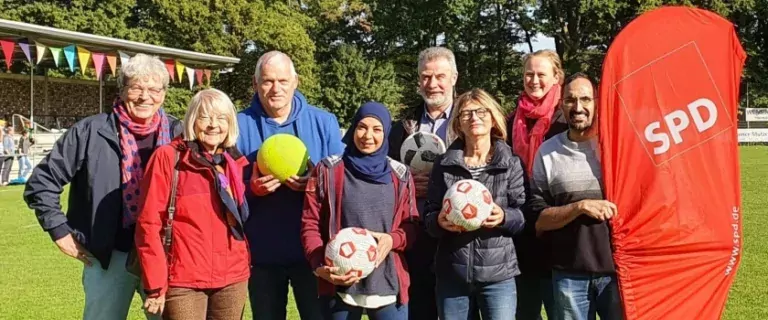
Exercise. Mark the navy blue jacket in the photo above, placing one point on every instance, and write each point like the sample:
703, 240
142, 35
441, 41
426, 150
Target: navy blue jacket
87, 156
486, 254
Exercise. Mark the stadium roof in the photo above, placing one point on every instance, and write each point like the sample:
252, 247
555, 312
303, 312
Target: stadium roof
59, 38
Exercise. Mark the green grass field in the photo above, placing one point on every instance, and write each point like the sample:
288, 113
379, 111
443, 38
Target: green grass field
38, 282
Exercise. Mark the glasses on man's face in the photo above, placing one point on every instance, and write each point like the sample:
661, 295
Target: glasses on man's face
466, 115
572, 101
137, 91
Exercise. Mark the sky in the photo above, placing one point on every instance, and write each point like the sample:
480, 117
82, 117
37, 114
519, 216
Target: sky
539, 42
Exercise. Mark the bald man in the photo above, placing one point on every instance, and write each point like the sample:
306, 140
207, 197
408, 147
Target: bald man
277, 257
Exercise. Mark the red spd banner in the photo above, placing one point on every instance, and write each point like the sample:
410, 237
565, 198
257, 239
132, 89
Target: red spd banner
668, 135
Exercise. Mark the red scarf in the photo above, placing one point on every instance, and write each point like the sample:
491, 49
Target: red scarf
526, 141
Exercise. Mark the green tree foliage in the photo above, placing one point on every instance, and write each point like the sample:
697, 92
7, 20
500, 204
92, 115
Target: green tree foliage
349, 51
350, 80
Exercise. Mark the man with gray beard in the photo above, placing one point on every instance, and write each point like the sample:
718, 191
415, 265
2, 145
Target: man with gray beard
567, 196
437, 78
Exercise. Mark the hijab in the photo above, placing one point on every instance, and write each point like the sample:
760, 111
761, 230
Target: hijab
374, 167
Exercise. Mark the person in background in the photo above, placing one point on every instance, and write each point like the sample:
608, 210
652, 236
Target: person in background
567, 198
480, 264
377, 195
437, 78
25, 142
211, 262
8, 149
536, 119
2, 154
277, 258
103, 157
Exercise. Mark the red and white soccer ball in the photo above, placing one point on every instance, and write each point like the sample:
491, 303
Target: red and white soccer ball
352, 251
468, 204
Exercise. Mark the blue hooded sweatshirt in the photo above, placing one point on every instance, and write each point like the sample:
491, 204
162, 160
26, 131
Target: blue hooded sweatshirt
273, 229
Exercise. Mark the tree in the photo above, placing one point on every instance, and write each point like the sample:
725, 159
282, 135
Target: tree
350, 80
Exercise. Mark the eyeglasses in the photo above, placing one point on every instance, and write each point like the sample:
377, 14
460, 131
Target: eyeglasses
206, 120
467, 114
136, 91
571, 101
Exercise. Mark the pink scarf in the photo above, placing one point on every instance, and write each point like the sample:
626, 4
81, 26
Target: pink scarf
526, 141
130, 166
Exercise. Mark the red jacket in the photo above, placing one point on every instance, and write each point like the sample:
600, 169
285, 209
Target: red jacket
204, 252
316, 231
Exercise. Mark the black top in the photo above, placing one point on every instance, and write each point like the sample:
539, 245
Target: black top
124, 236
529, 247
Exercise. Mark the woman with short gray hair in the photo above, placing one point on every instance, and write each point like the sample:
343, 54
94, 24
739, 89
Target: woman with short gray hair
103, 157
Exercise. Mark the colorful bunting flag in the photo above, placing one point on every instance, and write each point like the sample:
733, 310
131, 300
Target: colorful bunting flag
179, 70
40, 50
207, 73
8, 47
69, 53
112, 61
98, 63
169, 67
56, 53
191, 77
199, 77
84, 56
24, 44
124, 57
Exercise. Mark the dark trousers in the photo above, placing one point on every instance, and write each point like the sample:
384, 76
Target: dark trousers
268, 288
7, 165
199, 304
338, 310
533, 290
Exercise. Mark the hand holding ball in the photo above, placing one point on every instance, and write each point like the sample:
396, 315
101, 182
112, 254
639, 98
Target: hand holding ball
282, 156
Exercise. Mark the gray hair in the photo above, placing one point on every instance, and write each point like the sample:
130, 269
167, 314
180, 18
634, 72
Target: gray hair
268, 57
433, 53
142, 65
208, 102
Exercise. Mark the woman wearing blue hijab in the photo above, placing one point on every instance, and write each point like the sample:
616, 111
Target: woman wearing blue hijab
362, 189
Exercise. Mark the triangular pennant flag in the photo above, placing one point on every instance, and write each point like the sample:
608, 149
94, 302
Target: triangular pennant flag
56, 53
98, 63
8, 47
199, 77
124, 57
207, 73
84, 56
179, 70
191, 76
25, 48
69, 53
40, 50
112, 61
169, 67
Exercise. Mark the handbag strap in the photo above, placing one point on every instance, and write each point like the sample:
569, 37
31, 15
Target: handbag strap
171, 205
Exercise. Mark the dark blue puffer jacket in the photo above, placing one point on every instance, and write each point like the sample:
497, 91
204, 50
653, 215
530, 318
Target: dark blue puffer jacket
483, 255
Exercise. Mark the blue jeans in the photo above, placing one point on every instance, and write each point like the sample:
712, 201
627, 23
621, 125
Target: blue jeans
496, 301
24, 166
341, 311
579, 296
108, 293
268, 292
533, 290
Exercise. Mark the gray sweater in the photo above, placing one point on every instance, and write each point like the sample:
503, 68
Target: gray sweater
565, 172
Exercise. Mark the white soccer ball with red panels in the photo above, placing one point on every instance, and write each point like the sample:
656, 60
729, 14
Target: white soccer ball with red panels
467, 204
353, 251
